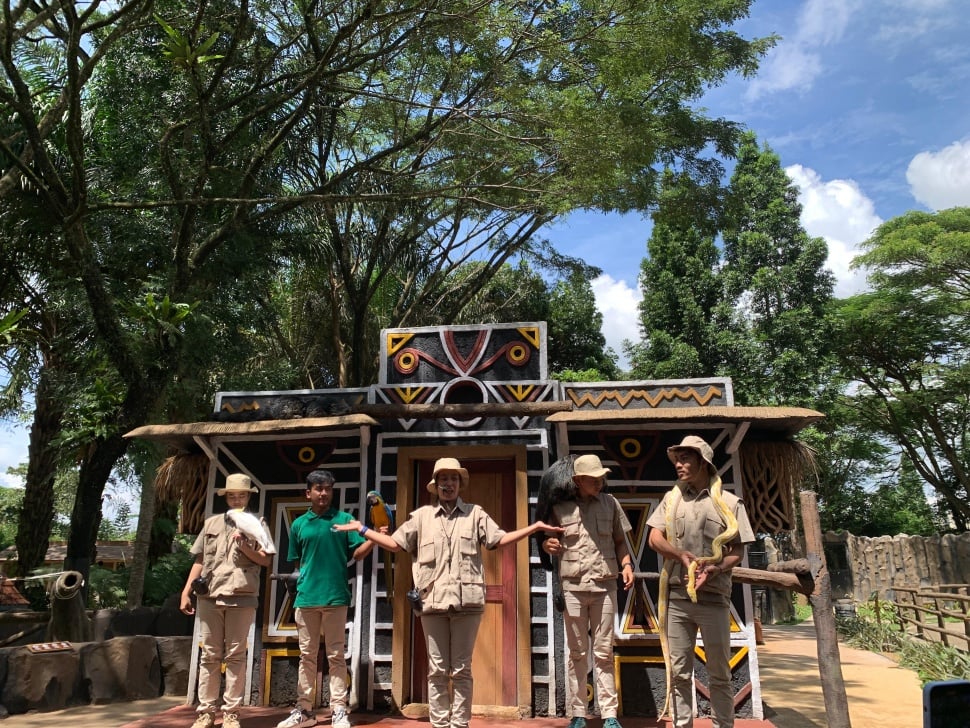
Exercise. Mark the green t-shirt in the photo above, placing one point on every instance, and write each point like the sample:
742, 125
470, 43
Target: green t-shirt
323, 555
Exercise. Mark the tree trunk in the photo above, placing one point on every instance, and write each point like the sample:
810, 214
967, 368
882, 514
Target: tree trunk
829, 663
142, 399
143, 537
86, 517
37, 511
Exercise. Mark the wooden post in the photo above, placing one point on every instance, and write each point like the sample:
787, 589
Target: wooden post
829, 662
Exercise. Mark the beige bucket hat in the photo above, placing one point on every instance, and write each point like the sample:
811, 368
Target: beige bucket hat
448, 464
237, 482
589, 465
698, 445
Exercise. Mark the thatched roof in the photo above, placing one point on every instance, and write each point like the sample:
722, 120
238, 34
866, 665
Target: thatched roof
182, 436
786, 420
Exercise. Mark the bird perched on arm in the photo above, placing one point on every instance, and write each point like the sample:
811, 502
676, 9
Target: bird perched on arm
252, 527
381, 516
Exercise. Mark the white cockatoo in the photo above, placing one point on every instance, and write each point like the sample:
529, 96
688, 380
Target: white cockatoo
251, 526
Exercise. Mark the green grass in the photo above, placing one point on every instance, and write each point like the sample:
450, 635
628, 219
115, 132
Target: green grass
802, 612
930, 660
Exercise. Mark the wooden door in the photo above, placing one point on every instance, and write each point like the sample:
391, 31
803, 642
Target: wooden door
492, 486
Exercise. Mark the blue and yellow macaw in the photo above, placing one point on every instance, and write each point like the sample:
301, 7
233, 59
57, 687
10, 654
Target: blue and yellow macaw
381, 516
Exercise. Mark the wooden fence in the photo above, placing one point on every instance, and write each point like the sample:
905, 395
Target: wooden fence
939, 613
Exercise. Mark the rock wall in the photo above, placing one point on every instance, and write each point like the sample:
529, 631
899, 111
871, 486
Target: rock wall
862, 566
119, 669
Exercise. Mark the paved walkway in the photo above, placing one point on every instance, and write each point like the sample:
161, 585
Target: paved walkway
880, 693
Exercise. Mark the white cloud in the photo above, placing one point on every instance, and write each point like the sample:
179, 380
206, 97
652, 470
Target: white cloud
796, 62
13, 451
788, 66
824, 21
618, 302
839, 211
941, 179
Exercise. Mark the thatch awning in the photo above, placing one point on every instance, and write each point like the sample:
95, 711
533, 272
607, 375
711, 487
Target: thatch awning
787, 420
182, 436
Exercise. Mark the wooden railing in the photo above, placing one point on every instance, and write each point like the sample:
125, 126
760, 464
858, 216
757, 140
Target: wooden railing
927, 610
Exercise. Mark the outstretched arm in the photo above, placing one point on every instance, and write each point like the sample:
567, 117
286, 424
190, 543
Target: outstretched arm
513, 536
373, 536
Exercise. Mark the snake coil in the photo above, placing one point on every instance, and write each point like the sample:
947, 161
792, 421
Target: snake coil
673, 499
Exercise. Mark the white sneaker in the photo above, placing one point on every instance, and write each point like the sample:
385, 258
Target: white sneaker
204, 720
340, 719
298, 719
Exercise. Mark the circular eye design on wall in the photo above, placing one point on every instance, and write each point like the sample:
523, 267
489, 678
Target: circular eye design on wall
518, 355
306, 455
464, 391
630, 448
406, 361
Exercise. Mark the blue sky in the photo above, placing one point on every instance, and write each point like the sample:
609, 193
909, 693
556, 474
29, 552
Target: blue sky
867, 103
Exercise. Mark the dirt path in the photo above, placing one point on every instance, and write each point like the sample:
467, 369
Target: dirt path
880, 692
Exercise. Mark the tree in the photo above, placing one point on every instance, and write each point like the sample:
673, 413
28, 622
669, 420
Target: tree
576, 341
906, 347
681, 286
180, 162
775, 340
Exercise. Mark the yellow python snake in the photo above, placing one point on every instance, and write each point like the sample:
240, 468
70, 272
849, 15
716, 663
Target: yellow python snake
673, 499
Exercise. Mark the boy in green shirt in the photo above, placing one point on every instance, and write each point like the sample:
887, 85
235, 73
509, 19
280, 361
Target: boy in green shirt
323, 595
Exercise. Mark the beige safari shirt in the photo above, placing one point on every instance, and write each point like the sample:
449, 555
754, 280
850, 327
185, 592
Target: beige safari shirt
588, 561
697, 523
446, 554
233, 577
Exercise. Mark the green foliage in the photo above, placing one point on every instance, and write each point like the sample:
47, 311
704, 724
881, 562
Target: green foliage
10, 500
109, 589
576, 341
681, 288
775, 278
161, 318
584, 375
178, 49
369, 153
760, 314
800, 614
864, 632
8, 325
875, 628
905, 348
167, 576
935, 661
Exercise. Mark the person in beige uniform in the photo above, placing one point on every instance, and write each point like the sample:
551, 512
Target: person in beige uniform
697, 523
229, 564
593, 553
445, 541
